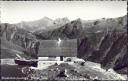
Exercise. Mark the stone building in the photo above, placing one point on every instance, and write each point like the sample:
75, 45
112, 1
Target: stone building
56, 50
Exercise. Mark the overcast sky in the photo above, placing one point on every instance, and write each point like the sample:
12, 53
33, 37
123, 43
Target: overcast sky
17, 11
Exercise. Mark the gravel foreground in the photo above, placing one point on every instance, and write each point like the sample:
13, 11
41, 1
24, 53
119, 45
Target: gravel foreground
74, 71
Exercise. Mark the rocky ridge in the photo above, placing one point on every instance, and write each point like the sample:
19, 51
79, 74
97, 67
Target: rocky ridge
103, 41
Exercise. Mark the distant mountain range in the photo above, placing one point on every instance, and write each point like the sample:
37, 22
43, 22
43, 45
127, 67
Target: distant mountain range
103, 41
80, 28
43, 24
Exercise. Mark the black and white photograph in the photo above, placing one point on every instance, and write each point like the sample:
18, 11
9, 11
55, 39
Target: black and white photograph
63, 40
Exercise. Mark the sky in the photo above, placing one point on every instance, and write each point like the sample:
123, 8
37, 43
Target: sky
17, 11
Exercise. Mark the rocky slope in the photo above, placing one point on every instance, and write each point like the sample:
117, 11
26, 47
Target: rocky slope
107, 47
16, 39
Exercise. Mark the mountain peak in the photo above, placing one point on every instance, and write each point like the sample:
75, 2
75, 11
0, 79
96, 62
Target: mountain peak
65, 18
79, 19
61, 21
46, 18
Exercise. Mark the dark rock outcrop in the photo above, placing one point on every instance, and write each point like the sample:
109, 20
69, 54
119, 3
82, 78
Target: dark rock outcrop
111, 53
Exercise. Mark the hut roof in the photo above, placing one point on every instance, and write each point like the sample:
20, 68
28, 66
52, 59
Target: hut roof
49, 48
